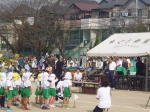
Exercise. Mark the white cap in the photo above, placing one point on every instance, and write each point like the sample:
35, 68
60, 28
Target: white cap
68, 75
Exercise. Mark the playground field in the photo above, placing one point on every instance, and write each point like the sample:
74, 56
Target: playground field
122, 101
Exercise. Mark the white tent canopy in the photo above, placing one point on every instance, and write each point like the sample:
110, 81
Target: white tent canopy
126, 44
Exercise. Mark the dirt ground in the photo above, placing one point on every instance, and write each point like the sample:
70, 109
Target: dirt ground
122, 101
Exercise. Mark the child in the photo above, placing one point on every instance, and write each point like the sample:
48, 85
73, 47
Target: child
59, 90
52, 90
15, 87
38, 92
67, 90
2, 90
9, 90
45, 92
26, 91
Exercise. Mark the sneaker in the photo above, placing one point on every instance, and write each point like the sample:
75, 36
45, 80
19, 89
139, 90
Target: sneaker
28, 103
47, 108
3, 108
43, 107
27, 109
8, 109
56, 102
67, 108
53, 106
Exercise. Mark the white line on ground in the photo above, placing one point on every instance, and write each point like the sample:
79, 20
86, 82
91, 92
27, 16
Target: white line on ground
135, 108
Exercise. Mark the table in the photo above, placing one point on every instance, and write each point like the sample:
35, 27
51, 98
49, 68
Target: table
122, 69
90, 83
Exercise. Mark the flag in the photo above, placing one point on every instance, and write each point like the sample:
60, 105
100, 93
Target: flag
75, 97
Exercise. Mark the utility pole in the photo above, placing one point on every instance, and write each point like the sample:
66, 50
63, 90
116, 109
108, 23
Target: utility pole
137, 8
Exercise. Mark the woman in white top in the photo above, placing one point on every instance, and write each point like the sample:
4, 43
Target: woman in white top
99, 64
76, 62
34, 63
103, 95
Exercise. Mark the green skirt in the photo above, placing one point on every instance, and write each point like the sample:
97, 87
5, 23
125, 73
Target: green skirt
2, 91
25, 92
45, 93
38, 91
15, 92
66, 92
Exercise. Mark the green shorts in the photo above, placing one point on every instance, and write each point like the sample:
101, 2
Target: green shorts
25, 92
66, 92
52, 91
15, 92
2, 91
38, 91
9, 94
45, 93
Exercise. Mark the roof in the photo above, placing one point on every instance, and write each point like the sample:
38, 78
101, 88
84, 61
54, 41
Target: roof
24, 9
123, 44
56, 9
146, 1
70, 2
111, 3
85, 6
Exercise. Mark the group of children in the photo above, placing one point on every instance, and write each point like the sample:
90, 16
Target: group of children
48, 90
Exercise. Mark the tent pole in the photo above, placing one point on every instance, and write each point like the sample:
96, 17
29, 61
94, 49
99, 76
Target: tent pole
146, 78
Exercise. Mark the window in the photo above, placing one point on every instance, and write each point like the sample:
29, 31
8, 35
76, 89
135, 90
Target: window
129, 12
103, 14
139, 12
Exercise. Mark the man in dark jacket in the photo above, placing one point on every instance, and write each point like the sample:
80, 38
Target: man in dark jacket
139, 67
57, 67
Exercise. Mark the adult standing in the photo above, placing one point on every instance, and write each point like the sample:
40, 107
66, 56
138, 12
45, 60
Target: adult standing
51, 61
57, 68
139, 67
42, 62
21, 62
112, 71
34, 63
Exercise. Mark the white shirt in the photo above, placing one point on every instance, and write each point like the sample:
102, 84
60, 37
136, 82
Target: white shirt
128, 60
46, 84
104, 97
112, 66
119, 62
10, 75
37, 83
29, 74
9, 84
60, 86
52, 85
99, 64
15, 83
67, 83
78, 76
34, 63
26, 83
45, 76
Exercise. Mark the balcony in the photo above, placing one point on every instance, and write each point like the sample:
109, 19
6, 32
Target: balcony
95, 23
71, 23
